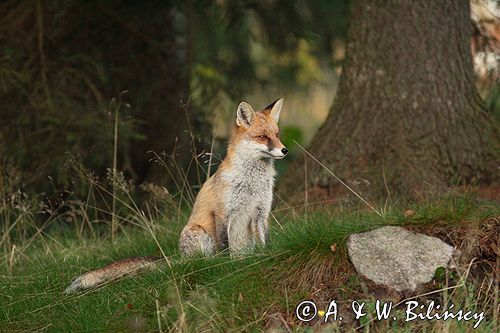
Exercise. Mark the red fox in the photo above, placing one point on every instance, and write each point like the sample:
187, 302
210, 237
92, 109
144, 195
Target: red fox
232, 208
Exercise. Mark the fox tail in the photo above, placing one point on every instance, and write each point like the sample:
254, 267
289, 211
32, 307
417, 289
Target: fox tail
112, 271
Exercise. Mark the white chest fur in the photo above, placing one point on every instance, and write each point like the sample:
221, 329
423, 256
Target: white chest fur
249, 185
247, 200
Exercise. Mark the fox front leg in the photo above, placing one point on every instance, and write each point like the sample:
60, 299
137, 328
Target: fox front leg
232, 234
261, 226
240, 237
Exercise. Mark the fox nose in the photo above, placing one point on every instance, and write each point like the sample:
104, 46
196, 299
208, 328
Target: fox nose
284, 151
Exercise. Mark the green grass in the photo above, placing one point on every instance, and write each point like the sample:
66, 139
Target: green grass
255, 293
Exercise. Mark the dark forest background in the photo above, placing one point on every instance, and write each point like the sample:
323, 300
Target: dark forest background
175, 67
149, 87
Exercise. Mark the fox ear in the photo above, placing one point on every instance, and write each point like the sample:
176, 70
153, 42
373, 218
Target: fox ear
274, 109
244, 114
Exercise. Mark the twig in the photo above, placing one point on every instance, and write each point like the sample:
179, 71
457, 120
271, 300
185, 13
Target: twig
211, 149
115, 163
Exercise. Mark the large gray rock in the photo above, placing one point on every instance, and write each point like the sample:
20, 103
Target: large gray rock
398, 258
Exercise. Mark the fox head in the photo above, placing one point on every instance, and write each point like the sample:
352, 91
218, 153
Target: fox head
257, 134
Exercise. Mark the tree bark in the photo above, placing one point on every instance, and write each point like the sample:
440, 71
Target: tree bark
407, 117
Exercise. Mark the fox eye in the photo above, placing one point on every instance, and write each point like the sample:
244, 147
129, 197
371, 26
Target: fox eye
263, 137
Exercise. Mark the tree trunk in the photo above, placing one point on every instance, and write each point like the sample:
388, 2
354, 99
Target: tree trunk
407, 117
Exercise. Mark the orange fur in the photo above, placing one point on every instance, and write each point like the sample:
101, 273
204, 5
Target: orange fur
232, 207
209, 206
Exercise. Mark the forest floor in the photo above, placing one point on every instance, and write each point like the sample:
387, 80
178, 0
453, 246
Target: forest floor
305, 260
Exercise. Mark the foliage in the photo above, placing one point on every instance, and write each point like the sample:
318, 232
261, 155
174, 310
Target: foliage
239, 46
61, 62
